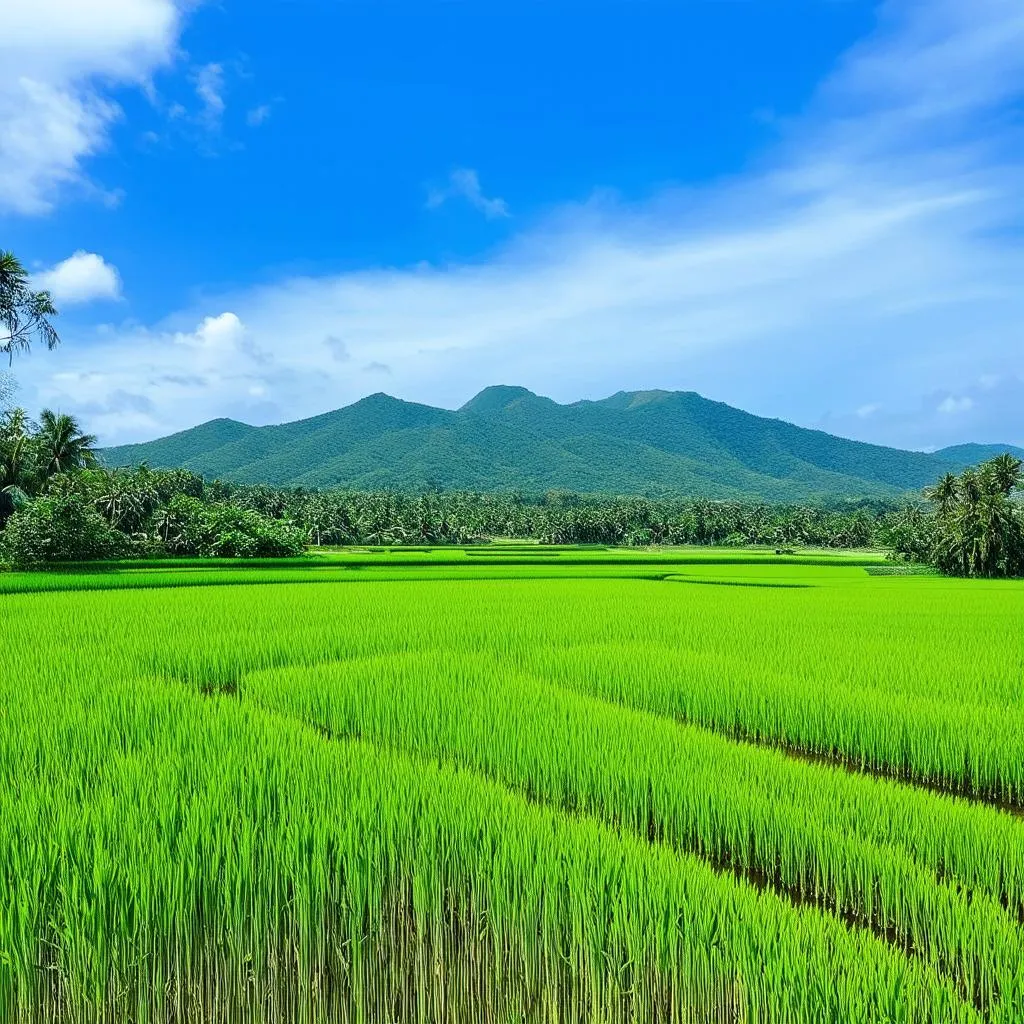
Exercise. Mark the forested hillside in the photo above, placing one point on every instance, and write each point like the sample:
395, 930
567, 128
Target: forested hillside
507, 438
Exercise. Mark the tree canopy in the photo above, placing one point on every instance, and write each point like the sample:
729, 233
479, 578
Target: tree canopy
975, 523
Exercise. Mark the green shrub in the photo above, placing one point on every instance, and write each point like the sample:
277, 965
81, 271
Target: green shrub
62, 528
192, 527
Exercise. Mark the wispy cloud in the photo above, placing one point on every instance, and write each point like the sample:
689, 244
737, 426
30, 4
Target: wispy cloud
258, 115
950, 405
464, 183
871, 260
337, 348
209, 85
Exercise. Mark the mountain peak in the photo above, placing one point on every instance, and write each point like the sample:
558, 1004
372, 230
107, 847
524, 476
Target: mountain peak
497, 398
622, 400
377, 398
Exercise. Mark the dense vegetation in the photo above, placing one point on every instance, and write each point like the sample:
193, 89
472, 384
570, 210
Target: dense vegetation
653, 443
381, 795
975, 526
66, 508
57, 504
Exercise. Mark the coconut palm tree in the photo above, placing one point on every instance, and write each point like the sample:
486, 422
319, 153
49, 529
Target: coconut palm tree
62, 446
979, 529
17, 462
126, 498
944, 492
168, 525
1006, 472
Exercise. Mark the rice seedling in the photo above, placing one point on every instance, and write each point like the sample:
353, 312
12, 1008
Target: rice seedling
545, 792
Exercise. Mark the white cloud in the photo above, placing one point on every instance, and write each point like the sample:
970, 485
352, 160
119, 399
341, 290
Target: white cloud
59, 60
464, 183
872, 252
215, 334
83, 277
865, 411
258, 115
209, 86
950, 406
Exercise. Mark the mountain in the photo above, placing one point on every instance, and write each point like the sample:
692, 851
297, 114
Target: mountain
508, 438
963, 455
178, 449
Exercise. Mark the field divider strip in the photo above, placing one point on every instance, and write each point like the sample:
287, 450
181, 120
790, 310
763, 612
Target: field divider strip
676, 577
426, 573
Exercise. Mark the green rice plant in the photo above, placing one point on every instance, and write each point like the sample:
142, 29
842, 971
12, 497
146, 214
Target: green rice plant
426, 791
821, 837
191, 859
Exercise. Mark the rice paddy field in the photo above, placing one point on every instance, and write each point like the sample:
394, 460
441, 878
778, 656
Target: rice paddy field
511, 784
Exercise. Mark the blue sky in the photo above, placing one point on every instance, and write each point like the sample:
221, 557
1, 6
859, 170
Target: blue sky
811, 209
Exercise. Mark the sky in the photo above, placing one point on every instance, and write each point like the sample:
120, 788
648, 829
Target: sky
810, 209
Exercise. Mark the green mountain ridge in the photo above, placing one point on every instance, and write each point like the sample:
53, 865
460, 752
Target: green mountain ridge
508, 438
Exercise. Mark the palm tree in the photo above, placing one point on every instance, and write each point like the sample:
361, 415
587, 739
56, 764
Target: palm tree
167, 524
944, 492
979, 529
17, 462
24, 313
126, 498
61, 444
1006, 471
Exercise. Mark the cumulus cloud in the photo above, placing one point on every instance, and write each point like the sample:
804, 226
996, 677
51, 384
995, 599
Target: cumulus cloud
870, 260
60, 58
8, 387
83, 277
143, 374
464, 183
218, 334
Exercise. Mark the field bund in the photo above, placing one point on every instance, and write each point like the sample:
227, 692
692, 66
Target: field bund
511, 783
